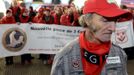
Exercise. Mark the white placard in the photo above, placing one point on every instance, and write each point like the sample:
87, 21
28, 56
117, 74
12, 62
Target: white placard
35, 38
124, 35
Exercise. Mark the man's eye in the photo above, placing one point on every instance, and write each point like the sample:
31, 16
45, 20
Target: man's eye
105, 20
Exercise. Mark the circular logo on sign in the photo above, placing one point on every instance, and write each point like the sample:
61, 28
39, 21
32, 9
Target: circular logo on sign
121, 36
75, 63
14, 39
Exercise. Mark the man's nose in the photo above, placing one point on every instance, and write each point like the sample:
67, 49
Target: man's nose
112, 26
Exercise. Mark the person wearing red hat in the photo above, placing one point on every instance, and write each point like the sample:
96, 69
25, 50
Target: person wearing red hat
93, 53
24, 17
39, 16
16, 10
47, 17
57, 15
70, 17
65, 19
8, 19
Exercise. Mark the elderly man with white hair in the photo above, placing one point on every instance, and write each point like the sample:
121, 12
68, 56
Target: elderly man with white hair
92, 53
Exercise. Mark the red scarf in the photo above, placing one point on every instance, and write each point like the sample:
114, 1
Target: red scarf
93, 55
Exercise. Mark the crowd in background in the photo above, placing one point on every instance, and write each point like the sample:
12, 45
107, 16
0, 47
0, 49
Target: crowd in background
58, 15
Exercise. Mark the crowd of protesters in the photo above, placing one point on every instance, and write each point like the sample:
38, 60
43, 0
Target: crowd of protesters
58, 15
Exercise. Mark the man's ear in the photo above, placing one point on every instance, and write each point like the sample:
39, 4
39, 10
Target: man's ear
88, 19
82, 21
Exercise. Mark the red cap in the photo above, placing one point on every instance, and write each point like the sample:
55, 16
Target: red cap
103, 7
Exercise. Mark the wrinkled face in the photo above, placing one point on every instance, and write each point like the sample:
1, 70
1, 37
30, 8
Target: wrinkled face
101, 22
102, 27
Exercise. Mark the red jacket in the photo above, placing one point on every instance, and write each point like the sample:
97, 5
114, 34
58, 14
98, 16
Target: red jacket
56, 18
37, 18
65, 20
76, 16
24, 19
8, 20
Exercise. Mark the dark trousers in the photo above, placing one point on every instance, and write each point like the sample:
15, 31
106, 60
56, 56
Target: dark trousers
130, 52
26, 57
9, 60
44, 56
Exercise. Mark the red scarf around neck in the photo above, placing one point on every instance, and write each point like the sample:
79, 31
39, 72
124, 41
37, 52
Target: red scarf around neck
93, 55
